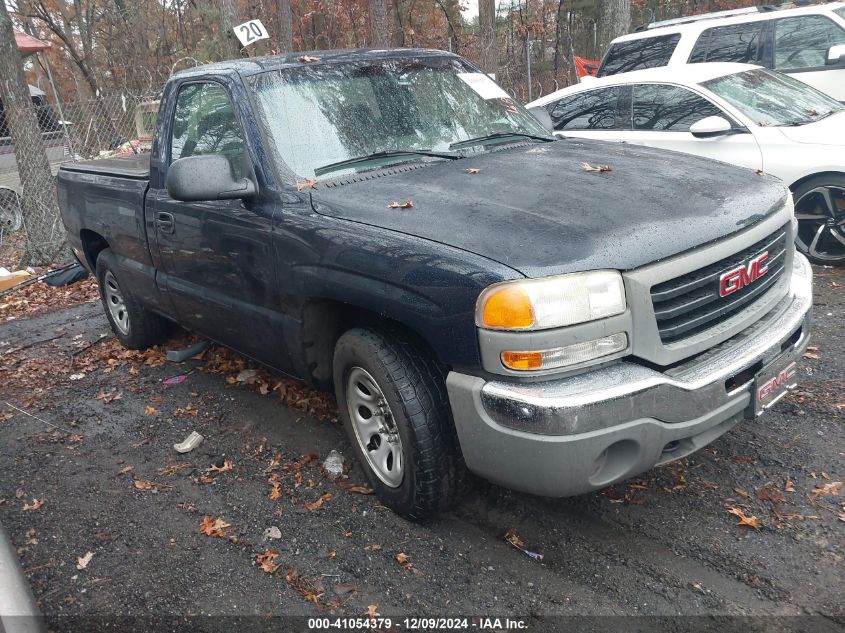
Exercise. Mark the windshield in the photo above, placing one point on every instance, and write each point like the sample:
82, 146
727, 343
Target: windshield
321, 114
772, 99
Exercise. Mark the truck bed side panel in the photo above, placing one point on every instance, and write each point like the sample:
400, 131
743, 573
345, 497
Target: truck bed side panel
112, 207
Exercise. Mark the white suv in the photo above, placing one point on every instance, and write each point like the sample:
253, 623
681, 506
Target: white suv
807, 42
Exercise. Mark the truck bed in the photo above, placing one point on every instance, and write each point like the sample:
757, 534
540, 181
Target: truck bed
134, 167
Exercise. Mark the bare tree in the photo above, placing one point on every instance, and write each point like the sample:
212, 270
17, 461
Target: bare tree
45, 236
229, 16
285, 26
614, 20
489, 42
379, 24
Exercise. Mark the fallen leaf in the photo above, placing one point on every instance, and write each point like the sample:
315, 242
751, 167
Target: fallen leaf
148, 410
743, 519
309, 588
36, 503
372, 547
599, 168
372, 611
812, 356
401, 205
167, 471
126, 469
770, 493
742, 493
472, 170
82, 561
307, 59
225, 468
213, 527
789, 486
276, 492
361, 490
404, 560
319, 502
152, 486
265, 561
826, 490
842, 516
309, 183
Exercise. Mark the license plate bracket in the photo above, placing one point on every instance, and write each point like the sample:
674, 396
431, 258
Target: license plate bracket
771, 384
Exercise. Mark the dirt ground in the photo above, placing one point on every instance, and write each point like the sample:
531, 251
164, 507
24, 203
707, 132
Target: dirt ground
107, 516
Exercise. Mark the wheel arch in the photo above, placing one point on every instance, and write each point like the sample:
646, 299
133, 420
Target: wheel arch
808, 177
92, 245
324, 321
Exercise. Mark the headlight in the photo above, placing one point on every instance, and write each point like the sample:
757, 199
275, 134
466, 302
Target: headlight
539, 304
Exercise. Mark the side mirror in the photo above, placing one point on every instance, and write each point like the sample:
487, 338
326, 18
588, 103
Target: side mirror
206, 177
835, 54
711, 126
542, 115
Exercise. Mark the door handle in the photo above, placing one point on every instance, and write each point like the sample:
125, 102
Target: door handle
165, 222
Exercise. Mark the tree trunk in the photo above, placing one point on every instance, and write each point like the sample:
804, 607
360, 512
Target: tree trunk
45, 235
229, 16
285, 26
489, 41
379, 25
614, 20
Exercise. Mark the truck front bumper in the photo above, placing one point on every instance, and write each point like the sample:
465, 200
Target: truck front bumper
572, 435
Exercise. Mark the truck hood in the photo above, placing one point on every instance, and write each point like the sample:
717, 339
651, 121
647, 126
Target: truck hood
536, 209
829, 131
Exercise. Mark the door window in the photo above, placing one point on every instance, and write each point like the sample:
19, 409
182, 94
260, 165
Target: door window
204, 122
669, 108
594, 110
802, 42
647, 52
735, 43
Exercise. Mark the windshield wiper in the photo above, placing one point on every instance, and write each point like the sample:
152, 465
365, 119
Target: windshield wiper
800, 122
495, 135
377, 155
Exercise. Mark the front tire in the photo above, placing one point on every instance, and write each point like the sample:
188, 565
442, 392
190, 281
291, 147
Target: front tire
820, 211
134, 326
393, 403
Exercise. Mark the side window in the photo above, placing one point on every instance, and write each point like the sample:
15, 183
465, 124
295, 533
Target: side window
594, 110
735, 43
841, 12
646, 52
802, 42
204, 122
669, 108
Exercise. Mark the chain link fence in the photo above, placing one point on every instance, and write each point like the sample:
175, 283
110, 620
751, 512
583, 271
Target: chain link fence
91, 129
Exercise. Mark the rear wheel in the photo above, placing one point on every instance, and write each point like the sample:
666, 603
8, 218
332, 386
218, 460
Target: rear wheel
134, 326
392, 400
820, 211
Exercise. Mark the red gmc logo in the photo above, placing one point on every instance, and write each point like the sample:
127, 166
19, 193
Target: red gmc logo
742, 276
773, 386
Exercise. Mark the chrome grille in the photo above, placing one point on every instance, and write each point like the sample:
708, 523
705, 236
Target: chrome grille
686, 305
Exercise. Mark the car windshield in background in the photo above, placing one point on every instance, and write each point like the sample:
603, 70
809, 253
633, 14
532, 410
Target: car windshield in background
340, 117
773, 99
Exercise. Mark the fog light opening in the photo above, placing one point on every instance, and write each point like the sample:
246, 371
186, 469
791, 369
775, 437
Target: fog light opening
614, 462
671, 446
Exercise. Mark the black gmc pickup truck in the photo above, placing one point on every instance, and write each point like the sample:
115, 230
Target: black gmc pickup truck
393, 226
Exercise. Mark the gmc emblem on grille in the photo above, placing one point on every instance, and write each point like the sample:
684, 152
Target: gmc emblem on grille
742, 276
774, 385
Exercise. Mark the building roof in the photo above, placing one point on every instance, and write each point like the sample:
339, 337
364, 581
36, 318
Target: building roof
28, 44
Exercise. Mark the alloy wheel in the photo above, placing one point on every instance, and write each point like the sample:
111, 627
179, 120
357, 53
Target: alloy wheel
115, 304
821, 223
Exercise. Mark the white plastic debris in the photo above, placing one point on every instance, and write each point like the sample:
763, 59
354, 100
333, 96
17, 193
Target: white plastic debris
334, 464
4, 272
272, 533
77, 376
189, 443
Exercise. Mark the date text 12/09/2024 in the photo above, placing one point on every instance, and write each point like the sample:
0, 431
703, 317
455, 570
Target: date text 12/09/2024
418, 624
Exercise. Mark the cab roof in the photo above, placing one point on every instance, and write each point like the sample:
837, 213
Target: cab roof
253, 65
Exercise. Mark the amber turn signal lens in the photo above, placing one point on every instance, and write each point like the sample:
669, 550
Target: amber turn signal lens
508, 307
522, 360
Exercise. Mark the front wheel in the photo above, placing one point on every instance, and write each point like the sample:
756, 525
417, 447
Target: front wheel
820, 211
392, 400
